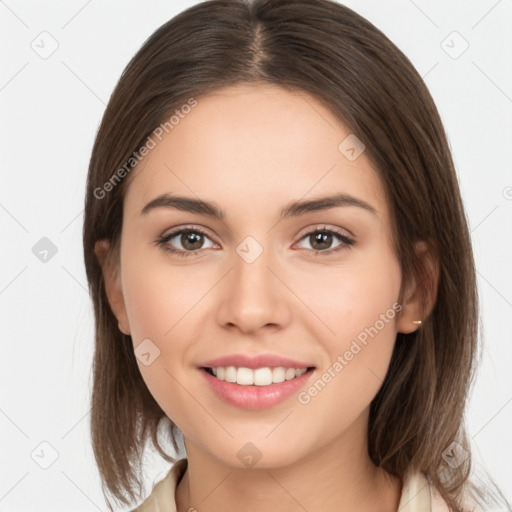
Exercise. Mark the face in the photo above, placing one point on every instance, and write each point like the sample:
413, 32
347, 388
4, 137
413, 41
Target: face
318, 285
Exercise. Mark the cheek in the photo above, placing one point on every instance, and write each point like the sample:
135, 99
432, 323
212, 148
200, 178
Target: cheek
355, 312
155, 304
346, 299
363, 316
163, 304
159, 295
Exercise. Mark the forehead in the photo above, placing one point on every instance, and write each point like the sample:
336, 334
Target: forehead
252, 146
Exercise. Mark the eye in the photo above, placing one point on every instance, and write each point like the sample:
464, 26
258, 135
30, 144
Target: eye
321, 240
189, 241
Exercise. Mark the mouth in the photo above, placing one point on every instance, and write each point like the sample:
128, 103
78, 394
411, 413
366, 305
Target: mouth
258, 388
264, 376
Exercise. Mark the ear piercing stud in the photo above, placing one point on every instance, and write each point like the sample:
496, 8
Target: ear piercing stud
417, 322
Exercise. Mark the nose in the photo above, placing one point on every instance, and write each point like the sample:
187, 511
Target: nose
253, 295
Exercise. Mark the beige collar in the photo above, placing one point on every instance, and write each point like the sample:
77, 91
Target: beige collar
416, 493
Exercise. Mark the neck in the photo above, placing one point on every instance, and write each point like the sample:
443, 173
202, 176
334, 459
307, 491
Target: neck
337, 477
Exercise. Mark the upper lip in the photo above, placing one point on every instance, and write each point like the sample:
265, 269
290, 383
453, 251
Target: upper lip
253, 362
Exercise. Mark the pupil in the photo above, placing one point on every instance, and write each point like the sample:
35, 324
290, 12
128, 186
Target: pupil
324, 239
190, 239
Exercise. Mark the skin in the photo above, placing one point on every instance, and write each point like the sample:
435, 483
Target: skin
253, 149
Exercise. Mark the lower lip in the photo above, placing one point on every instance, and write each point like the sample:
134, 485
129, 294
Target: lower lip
255, 397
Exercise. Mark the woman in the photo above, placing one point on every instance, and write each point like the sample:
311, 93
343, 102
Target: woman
281, 269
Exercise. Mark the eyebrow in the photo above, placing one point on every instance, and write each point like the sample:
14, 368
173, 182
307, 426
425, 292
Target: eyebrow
191, 205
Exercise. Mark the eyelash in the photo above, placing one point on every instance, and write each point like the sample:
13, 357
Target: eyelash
162, 241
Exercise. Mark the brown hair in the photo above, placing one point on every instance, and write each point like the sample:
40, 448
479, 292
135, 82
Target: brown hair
324, 49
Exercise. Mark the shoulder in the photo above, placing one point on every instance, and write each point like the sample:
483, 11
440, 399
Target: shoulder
419, 494
162, 497
438, 503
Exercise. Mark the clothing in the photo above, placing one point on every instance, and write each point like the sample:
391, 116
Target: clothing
417, 494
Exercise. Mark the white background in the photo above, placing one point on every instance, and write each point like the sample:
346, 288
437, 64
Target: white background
51, 109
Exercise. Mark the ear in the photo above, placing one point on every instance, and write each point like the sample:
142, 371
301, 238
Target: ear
420, 295
112, 280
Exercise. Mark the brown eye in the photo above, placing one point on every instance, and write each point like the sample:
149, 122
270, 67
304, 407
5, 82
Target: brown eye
321, 240
184, 242
191, 240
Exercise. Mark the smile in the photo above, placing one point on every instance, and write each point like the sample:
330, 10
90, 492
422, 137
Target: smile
258, 388
259, 376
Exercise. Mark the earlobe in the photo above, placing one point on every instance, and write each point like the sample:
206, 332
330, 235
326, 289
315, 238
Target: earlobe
420, 297
112, 280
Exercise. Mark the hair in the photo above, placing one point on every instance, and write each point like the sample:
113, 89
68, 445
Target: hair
326, 50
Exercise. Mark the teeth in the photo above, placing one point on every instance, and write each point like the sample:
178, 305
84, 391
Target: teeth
290, 374
258, 377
